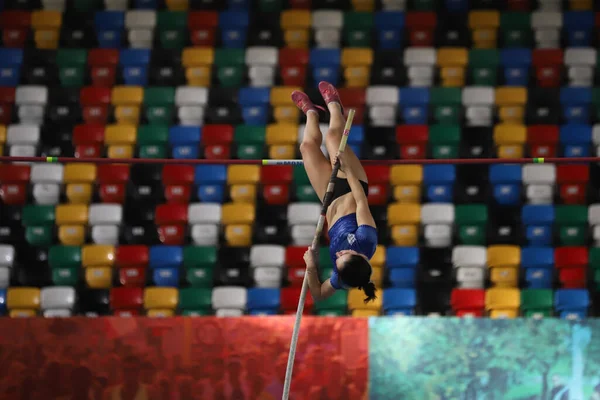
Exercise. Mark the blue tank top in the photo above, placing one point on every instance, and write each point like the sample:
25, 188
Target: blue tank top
345, 234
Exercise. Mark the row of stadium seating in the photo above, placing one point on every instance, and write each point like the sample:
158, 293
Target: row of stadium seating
64, 301
102, 266
268, 66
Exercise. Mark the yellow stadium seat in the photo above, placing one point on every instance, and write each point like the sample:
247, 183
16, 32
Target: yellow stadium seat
71, 214
357, 76
238, 235
353, 56
238, 213
46, 39
2, 134
79, 172
97, 255
23, 298
503, 302
404, 214
160, 313
297, 38
504, 256
356, 301
243, 174
98, 277
128, 114
281, 95
286, 114
378, 259
244, 193
510, 139
363, 5
504, 277
405, 235
377, 277
122, 95
71, 235
79, 193
452, 62
177, 5
295, 19
21, 313
161, 298
484, 25
120, 134
46, 19
199, 76
406, 175
281, 133
407, 193
282, 152
365, 313
511, 104
120, 151
197, 56
581, 5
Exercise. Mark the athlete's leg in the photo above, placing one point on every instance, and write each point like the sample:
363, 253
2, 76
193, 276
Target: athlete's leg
336, 129
316, 164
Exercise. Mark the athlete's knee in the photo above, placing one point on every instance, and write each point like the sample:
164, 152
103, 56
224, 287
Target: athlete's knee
334, 135
309, 145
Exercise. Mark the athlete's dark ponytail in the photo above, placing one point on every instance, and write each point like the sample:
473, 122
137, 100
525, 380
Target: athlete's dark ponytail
369, 290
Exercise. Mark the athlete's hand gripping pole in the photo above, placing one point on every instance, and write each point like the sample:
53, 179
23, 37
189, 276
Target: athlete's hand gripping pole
315, 242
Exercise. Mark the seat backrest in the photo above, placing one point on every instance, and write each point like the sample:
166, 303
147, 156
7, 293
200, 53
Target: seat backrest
229, 297
267, 255
469, 256
58, 297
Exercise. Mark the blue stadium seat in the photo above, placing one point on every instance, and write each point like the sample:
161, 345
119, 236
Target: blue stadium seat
458, 6
402, 264
578, 27
399, 301
10, 66
356, 140
439, 182
506, 179
238, 4
516, 63
166, 277
263, 301
538, 263
576, 103
325, 65
414, 105
255, 105
572, 303
403, 277
390, 29
185, 141
134, 66
165, 256
538, 220
147, 4
210, 180
109, 28
2, 302
576, 140
234, 28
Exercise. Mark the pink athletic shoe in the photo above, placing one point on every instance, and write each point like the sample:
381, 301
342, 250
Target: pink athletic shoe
303, 102
329, 93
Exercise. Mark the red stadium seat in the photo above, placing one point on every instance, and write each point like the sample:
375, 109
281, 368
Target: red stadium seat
301, 4
573, 278
88, 140
468, 302
276, 183
292, 64
379, 183
217, 141
519, 5
572, 181
171, 221
202, 26
354, 98
126, 301
542, 140
95, 102
15, 28
421, 28
571, 257
7, 99
289, 301
295, 276
131, 256
13, 183
112, 181
132, 276
103, 66
412, 140
177, 180
294, 256
548, 66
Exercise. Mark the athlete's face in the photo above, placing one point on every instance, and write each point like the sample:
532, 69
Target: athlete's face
343, 256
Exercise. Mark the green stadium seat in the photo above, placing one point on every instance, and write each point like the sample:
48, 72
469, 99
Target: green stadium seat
159, 103
271, 5
39, 224
537, 303
325, 259
64, 257
250, 141
171, 27
195, 301
424, 5
515, 29
444, 140
358, 27
572, 224
87, 5
152, 141
230, 66
65, 276
335, 305
302, 187
483, 67
199, 263
471, 221
72, 64
446, 103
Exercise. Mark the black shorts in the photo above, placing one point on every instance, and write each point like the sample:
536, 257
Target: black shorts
342, 187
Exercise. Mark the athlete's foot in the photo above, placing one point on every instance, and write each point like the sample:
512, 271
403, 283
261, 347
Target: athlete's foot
329, 93
303, 102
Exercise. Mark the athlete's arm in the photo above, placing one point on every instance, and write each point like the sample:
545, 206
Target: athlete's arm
363, 213
318, 290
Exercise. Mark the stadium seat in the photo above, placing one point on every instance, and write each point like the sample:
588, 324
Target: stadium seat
537, 303
160, 301
58, 301
229, 301
572, 304
468, 302
263, 301
399, 301
195, 301
126, 301
23, 301
503, 302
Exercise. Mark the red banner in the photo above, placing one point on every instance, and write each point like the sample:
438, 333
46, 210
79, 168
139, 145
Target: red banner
181, 358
